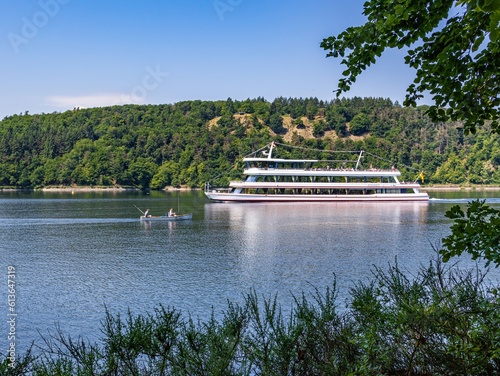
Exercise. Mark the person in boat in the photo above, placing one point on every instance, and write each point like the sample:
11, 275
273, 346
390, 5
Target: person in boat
171, 213
146, 213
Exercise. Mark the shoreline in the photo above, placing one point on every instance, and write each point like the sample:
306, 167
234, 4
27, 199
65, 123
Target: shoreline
72, 189
452, 188
85, 189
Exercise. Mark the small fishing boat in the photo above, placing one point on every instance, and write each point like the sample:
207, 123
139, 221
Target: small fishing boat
171, 216
167, 218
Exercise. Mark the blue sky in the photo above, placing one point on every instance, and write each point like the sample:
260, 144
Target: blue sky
59, 54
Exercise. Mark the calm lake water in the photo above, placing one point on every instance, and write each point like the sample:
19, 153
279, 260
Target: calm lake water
75, 254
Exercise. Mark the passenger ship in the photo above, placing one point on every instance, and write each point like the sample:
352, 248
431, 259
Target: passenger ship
275, 179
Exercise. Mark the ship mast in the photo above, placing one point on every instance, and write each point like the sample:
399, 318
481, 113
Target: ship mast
269, 155
359, 159
270, 152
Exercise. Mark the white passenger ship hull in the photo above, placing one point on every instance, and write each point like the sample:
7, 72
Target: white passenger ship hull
242, 197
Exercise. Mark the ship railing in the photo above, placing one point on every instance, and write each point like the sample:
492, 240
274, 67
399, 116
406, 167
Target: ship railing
324, 169
209, 188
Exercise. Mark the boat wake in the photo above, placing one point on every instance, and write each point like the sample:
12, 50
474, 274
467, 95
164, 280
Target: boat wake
63, 221
492, 200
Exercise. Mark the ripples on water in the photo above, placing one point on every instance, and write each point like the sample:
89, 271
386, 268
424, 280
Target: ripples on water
76, 255
489, 201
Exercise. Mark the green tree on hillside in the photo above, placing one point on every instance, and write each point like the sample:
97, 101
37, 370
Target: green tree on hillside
452, 171
276, 123
359, 124
454, 48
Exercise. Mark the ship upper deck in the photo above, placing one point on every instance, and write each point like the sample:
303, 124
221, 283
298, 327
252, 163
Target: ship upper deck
261, 171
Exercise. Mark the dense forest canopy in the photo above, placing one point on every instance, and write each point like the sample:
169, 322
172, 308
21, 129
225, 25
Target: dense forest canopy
192, 142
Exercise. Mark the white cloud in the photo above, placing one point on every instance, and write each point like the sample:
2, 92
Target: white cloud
96, 100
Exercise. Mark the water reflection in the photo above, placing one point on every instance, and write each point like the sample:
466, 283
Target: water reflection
283, 247
259, 226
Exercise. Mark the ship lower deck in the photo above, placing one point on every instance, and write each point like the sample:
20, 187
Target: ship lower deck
242, 197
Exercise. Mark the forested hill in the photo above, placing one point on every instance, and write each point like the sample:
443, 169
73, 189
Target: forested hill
189, 143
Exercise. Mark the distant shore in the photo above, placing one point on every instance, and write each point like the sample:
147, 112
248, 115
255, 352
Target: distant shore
86, 189
437, 187
63, 189
444, 188
107, 189
70, 189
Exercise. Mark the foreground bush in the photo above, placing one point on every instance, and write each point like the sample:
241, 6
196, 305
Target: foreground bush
441, 321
